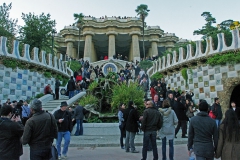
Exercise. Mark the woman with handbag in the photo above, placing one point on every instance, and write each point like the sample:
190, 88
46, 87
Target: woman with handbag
121, 124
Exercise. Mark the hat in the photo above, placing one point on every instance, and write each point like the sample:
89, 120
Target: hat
64, 103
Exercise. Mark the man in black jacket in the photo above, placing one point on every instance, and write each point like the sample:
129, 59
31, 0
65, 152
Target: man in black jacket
79, 113
57, 85
203, 134
39, 132
217, 111
11, 130
131, 117
71, 87
236, 109
151, 122
64, 123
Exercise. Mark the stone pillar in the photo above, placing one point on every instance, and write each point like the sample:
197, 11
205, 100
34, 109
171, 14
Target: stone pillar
74, 53
70, 49
111, 45
135, 47
88, 47
154, 49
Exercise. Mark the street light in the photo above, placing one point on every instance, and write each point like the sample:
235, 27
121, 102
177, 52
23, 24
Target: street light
53, 33
79, 25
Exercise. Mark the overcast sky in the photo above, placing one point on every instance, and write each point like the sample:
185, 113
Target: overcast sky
173, 16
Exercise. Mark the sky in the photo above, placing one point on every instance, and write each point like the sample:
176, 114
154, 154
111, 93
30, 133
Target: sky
173, 16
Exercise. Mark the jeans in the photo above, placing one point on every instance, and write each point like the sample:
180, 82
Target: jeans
77, 91
171, 149
130, 136
66, 136
218, 121
71, 94
149, 136
39, 154
203, 158
183, 125
79, 130
122, 134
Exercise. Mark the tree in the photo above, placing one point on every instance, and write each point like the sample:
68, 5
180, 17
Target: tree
37, 31
8, 26
79, 23
209, 30
142, 10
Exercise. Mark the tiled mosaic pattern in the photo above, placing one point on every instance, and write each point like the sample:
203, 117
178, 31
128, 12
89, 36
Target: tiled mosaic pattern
204, 81
21, 84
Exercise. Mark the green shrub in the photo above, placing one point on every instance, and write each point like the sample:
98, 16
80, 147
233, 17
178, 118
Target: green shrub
184, 74
88, 99
74, 65
94, 119
47, 74
124, 93
156, 76
221, 59
146, 64
92, 86
39, 95
64, 81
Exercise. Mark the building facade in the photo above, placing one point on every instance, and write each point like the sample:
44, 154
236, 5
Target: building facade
112, 36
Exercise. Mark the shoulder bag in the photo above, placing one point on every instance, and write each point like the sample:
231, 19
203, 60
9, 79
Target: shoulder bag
53, 147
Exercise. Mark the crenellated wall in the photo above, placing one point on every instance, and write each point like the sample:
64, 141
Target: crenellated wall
23, 84
170, 63
48, 61
207, 82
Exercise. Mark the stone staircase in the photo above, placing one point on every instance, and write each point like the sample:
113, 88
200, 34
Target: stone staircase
51, 105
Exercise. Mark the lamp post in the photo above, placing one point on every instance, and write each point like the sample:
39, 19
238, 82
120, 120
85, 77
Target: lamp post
53, 33
79, 25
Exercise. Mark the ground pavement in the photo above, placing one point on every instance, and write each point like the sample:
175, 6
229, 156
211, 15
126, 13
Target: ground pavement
107, 148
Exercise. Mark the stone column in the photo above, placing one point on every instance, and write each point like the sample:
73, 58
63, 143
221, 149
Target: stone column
70, 49
154, 49
88, 47
111, 44
135, 47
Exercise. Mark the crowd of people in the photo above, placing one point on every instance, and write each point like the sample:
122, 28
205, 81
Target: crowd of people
208, 137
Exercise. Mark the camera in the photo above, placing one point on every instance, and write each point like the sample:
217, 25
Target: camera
17, 112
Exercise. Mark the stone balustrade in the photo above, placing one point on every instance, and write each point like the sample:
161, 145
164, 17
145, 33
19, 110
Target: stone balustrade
48, 61
175, 61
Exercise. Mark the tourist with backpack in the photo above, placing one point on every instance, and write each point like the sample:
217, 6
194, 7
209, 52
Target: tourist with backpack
217, 111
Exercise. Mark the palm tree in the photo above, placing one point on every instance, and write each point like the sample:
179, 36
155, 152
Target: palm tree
79, 23
142, 10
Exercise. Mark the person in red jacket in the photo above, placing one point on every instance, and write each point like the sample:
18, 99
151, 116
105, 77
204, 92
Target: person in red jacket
79, 77
153, 91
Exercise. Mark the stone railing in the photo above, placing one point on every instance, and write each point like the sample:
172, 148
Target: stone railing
175, 61
40, 61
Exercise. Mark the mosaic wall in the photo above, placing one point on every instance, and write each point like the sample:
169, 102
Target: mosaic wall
21, 84
204, 81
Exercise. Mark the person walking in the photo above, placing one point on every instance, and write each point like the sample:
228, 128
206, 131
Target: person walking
39, 132
236, 109
79, 113
11, 129
71, 87
122, 124
64, 124
131, 116
167, 131
180, 110
203, 134
151, 123
229, 137
217, 111
57, 85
